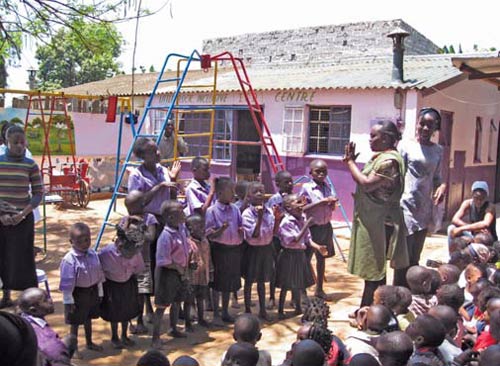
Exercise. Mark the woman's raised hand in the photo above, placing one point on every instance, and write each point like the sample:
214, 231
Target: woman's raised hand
350, 152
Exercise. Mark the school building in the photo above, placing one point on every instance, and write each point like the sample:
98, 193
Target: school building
321, 87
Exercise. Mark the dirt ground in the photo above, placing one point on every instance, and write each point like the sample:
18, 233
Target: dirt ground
206, 346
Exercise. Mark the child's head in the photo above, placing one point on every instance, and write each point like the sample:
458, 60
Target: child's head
435, 281
255, 193
405, 300
484, 237
134, 202
308, 353
447, 316
185, 360
495, 324
487, 294
394, 348
284, 181
293, 204
363, 359
16, 141
492, 305
147, 150
490, 356
200, 168
318, 333
318, 169
478, 287
316, 311
196, 226
130, 238
419, 280
451, 295
460, 258
449, 274
224, 188
79, 236
241, 354
153, 357
247, 329
426, 331
479, 253
474, 272
241, 189
36, 301
377, 319
172, 213
459, 243
386, 295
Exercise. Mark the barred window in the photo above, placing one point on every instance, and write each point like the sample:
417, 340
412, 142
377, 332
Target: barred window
293, 127
329, 129
492, 145
478, 140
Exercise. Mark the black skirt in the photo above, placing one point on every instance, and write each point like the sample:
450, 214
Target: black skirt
121, 301
323, 235
258, 263
170, 287
86, 306
294, 270
227, 266
17, 255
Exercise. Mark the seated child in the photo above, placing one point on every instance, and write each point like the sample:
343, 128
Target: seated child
121, 261
81, 278
471, 312
241, 354
199, 277
247, 330
420, 281
153, 357
403, 314
448, 318
484, 238
491, 333
427, 334
449, 274
259, 226
18, 341
459, 243
134, 202
185, 360
389, 297
172, 259
394, 348
363, 359
373, 321
35, 304
491, 356
308, 353
293, 271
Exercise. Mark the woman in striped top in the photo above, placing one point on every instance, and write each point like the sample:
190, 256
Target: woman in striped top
17, 174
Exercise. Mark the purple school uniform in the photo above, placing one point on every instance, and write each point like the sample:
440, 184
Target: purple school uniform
275, 200
173, 247
80, 269
313, 192
52, 348
290, 227
215, 218
249, 220
142, 180
116, 267
196, 195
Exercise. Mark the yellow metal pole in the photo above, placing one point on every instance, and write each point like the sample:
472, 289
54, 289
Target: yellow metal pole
212, 113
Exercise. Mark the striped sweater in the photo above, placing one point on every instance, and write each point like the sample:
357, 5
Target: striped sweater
16, 177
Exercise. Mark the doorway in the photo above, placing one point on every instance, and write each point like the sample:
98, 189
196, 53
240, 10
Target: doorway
445, 136
248, 157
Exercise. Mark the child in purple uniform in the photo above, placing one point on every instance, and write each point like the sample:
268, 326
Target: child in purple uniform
321, 204
35, 304
223, 228
172, 258
199, 194
294, 270
81, 278
121, 261
259, 226
134, 202
284, 183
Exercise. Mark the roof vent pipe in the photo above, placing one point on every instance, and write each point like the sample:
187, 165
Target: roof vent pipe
398, 36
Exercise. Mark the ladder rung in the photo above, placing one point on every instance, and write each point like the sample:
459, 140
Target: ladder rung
147, 135
133, 163
168, 80
201, 134
198, 86
245, 82
120, 194
243, 143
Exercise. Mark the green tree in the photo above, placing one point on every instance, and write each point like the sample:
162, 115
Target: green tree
152, 68
80, 54
452, 49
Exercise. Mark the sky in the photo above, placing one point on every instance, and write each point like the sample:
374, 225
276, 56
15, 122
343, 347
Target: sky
182, 25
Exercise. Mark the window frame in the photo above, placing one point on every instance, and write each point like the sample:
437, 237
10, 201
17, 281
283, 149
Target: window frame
293, 123
492, 141
331, 122
478, 140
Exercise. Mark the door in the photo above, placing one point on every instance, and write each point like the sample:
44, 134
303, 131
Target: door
248, 157
456, 185
445, 135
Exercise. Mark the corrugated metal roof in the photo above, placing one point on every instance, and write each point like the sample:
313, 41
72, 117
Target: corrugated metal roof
484, 68
367, 72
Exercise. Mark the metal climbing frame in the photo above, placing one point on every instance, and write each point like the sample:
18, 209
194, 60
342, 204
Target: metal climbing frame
174, 108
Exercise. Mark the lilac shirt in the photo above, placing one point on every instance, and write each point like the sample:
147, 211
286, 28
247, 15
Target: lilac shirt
290, 227
313, 192
249, 219
142, 180
172, 247
196, 195
220, 213
50, 345
116, 267
80, 269
275, 200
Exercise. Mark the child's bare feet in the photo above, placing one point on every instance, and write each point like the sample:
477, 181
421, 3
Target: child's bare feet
138, 329
282, 316
117, 344
189, 328
263, 315
94, 347
127, 342
176, 333
203, 323
77, 355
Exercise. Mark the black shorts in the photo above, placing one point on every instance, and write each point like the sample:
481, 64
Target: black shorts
323, 235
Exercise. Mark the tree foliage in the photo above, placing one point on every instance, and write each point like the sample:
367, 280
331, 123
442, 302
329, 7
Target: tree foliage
67, 60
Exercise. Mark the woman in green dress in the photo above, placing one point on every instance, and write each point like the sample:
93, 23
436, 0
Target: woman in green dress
378, 229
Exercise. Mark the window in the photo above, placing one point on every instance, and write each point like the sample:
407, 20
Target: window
199, 123
329, 129
478, 140
293, 122
493, 140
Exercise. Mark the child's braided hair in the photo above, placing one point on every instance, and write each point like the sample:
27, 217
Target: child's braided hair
132, 233
322, 335
317, 311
